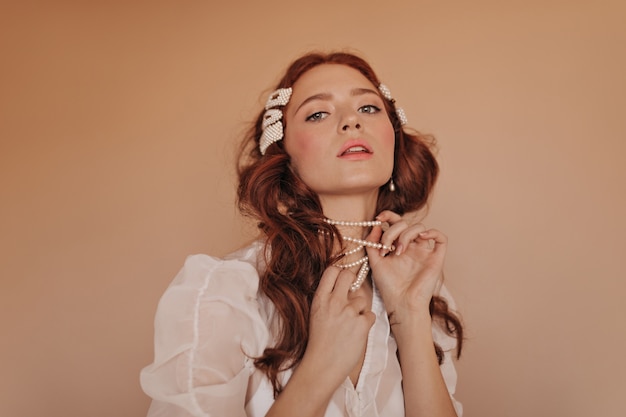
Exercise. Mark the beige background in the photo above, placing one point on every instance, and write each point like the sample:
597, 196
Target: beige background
117, 125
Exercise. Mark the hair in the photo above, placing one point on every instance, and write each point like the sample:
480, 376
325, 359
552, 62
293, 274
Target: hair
290, 216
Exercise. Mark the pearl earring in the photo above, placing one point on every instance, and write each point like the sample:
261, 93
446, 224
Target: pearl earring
392, 185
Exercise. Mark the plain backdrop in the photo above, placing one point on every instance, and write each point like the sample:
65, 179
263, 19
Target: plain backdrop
118, 126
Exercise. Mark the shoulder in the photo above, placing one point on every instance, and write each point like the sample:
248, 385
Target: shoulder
210, 322
240, 268
208, 286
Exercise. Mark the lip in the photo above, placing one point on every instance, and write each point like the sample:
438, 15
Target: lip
358, 155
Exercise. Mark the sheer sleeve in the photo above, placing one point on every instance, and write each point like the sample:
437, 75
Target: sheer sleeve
448, 344
207, 327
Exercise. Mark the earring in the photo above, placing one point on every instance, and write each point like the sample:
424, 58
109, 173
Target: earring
392, 186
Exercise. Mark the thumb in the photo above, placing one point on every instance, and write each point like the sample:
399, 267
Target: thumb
374, 236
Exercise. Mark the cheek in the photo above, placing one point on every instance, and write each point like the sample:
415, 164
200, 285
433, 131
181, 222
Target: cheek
302, 142
388, 136
299, 145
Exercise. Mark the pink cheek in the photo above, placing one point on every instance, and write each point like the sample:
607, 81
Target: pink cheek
302, 143
389, 137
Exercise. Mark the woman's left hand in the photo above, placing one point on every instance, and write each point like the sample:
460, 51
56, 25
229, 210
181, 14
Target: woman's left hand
408, 277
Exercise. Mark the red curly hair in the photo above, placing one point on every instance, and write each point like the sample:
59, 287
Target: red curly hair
291, 218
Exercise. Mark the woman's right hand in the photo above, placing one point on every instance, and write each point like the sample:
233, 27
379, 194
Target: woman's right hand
339, 324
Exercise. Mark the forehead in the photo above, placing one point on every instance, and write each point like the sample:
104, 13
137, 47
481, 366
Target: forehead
326, 78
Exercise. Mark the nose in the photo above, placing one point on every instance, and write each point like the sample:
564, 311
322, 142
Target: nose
356, 125
351, 121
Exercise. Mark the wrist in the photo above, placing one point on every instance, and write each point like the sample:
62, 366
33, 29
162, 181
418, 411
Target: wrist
297, 394
410, 315
411, 325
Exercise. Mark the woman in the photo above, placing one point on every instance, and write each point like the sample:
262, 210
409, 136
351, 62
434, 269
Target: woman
326, 314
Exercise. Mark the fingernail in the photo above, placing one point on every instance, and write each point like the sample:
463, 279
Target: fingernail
399, 249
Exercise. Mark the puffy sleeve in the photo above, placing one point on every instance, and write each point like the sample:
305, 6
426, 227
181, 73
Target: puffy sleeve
207, 327
448, 344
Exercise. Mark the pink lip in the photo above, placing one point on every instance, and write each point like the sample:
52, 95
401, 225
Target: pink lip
357, 155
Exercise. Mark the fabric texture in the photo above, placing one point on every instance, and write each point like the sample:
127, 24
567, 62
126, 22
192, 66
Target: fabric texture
212, 319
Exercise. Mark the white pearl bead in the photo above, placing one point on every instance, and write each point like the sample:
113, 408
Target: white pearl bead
360, 278
355, 263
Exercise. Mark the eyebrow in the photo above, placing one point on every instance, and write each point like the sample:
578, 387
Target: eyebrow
327, 96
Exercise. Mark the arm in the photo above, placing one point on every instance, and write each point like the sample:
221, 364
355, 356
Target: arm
206, 325
425, 391
407, 280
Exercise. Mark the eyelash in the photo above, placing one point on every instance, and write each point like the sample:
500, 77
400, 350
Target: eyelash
321, 115
316, 117
375, 108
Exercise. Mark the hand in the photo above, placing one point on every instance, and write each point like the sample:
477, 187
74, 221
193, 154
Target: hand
339, 324
408, 277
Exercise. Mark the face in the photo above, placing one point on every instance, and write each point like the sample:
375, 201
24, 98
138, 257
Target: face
338, 133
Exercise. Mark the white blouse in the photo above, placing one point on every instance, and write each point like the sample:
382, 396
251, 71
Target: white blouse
212, 319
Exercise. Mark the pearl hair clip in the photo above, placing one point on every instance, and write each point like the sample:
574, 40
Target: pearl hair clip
384, 90
272, 125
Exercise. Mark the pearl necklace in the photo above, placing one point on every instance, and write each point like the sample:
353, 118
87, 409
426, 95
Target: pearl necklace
361, 244
353, 224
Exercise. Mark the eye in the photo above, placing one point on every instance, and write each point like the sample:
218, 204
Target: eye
370, 108
316, 117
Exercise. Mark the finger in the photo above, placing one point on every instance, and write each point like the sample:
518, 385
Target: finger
343, 282
389, 217
408, 235
398, 224
358, 302
328, 280
374, 236
393, 233
439, 239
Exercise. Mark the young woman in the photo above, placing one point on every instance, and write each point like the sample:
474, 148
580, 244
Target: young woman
338, 309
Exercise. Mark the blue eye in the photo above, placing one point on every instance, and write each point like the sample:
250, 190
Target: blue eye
370, 108
315, 117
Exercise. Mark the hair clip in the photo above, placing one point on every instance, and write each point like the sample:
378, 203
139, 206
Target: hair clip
384, 90
272, 125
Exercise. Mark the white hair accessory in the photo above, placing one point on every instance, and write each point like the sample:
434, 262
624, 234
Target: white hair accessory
272, 125
279, 97
399, 110
271, 116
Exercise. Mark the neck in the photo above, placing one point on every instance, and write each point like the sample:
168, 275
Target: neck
353, 208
